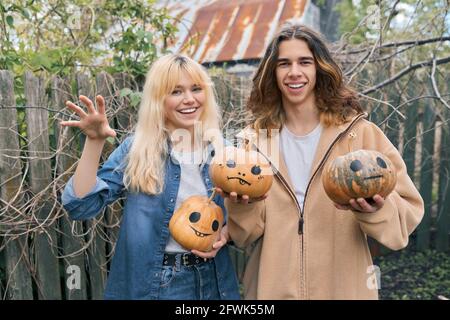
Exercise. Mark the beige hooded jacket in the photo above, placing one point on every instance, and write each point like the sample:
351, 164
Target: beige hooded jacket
320, 252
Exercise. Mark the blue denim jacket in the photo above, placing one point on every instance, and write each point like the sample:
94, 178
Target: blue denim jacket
136, 267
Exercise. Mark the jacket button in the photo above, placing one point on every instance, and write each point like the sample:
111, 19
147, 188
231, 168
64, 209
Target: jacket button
177, 176
171, 200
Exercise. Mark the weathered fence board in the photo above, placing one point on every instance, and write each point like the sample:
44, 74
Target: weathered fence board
66, 143
409, 135
124, 121
426, 176
443, 213
40, 172
393, 122
2, 268
18, 278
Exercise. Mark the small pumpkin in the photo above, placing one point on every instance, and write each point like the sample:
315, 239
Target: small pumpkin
359, 174
242, 171
197, 223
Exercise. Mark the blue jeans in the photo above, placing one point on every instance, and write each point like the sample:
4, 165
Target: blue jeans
196, 282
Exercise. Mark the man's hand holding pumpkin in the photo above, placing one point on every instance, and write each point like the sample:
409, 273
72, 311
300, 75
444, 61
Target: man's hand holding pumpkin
234, 197
361, 205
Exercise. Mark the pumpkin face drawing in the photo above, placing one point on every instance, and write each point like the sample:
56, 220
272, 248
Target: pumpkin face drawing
359, 174
197, 223
241, 171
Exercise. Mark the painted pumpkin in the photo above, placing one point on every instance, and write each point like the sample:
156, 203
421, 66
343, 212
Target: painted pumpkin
197, 223
359, 174
241, 171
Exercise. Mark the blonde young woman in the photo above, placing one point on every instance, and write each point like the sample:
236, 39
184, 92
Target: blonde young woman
155, 174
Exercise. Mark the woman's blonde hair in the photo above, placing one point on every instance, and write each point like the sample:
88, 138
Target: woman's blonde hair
145, 167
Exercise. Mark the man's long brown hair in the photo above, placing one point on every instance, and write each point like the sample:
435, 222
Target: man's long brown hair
337, 102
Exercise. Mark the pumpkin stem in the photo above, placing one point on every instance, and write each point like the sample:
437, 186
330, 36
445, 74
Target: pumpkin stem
212, 195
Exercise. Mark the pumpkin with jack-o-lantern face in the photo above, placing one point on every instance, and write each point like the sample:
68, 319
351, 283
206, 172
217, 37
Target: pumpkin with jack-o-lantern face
359, 174
197, 223
242, 171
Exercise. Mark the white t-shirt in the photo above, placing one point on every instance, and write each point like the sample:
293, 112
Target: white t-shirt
191, 183
298, 153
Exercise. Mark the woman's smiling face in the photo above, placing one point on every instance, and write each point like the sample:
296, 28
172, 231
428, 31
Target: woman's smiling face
185, 104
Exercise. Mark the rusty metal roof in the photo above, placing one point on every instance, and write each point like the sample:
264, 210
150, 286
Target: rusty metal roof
230, 30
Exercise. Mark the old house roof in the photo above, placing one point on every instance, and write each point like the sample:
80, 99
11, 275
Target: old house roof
230, 30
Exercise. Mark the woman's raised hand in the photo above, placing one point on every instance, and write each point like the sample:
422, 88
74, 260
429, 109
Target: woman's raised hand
94, 123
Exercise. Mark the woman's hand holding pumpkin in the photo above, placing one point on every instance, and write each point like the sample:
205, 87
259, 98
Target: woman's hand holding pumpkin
234, 197
94, 123
361, 205
223, 239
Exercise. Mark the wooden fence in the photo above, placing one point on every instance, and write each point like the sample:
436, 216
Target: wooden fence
42, 251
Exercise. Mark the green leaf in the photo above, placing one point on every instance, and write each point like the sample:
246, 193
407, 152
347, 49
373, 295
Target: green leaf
10, 21
125, 92
149, 36
26, 14
140, 34
135, 98
42, 60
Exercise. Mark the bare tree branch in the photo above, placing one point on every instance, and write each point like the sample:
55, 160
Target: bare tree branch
404, 72
414, 43
435, 87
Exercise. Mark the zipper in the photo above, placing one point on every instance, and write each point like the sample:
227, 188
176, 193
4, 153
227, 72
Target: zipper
300, 225
327, 154
300, 221
286, 185
292, 193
